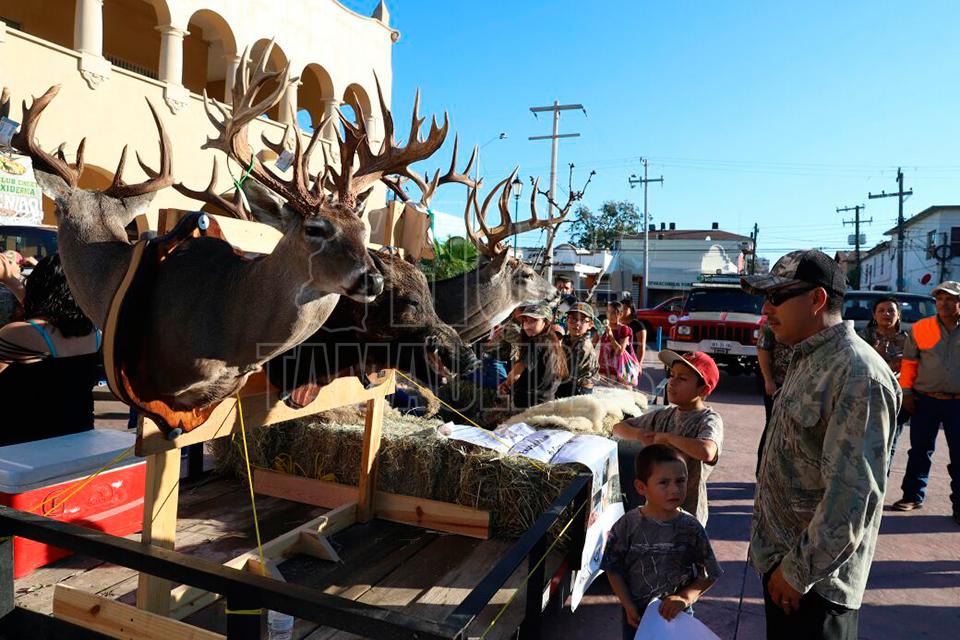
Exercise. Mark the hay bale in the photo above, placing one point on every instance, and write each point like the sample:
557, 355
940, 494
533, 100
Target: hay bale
414, 461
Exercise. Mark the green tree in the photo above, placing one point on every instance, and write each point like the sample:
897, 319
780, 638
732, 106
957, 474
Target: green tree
602, 229
451, 258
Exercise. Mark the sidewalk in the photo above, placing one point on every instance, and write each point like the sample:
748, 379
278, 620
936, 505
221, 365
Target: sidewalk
914, 586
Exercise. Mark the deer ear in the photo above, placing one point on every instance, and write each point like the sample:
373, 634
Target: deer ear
266, 206
53, 186
361, 202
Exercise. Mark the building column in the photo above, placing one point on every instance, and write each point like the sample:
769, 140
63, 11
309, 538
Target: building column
171, 54
374, 135
171, 67
88, 40
233, 63
88, 27
288, 104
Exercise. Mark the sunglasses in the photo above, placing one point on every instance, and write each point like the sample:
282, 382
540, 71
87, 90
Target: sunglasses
778, 297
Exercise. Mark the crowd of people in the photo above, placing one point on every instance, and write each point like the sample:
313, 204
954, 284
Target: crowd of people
836, 403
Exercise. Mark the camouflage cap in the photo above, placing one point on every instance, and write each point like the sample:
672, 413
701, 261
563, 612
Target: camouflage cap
540, 311
950, 286
582, 307
808, 266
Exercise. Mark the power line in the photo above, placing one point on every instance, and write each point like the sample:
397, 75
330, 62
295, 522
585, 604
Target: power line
900, 196
856, 234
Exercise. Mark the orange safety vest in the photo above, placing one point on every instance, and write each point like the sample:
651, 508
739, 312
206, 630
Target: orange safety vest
926, 335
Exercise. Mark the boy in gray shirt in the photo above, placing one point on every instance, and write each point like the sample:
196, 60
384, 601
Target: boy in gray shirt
658, 550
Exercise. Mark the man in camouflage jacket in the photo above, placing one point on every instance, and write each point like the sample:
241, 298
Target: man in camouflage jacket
823, 474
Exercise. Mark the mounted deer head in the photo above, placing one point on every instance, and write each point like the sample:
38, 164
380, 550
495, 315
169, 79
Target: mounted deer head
399, 330
476, 301
210, 317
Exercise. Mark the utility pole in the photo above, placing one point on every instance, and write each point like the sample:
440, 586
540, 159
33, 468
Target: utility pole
634, 181
899, 194
556, 108
753, 250
856, 234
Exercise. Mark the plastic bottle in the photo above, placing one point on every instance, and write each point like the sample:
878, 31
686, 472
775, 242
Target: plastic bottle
279, 626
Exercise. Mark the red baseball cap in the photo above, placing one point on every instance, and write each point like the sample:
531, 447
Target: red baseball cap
702, 364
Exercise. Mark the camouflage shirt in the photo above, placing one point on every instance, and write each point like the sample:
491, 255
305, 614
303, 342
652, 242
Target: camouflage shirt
657, 559
823, 473
581, 362
780, 354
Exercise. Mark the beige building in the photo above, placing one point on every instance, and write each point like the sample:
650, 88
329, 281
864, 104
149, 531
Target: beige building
109, 55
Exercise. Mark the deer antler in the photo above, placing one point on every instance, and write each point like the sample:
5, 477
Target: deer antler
573, 196
232, 208
428, 186
232, 133
391, 159
492, 245
156, 179
25, 142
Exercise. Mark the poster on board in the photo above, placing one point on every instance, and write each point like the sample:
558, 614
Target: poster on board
21, 200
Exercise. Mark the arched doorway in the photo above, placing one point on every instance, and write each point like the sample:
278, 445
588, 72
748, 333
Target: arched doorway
130, 37
208, 51
277, 62
51, 20
313, 95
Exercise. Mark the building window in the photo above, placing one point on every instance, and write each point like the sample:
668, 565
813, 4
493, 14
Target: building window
931, 243
955, 242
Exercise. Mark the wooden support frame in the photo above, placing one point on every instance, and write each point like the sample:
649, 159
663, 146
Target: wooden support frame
257, 405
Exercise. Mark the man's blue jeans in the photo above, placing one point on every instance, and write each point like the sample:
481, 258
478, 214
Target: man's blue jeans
924, 426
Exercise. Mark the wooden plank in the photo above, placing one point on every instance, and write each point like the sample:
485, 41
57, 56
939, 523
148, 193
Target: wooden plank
421, 512
246, 235
161, 494
260, 408
118, 620
186, 599
432, 514
301, 489
369, 458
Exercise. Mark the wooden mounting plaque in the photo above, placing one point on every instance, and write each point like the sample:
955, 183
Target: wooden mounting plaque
261, 407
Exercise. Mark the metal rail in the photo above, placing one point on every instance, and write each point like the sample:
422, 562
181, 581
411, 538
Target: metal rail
244, 590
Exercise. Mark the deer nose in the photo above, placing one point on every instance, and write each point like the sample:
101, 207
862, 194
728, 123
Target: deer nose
373, 283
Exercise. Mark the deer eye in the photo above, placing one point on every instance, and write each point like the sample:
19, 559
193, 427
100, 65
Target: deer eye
320, 229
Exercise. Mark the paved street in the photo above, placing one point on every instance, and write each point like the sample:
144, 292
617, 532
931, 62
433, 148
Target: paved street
914, 587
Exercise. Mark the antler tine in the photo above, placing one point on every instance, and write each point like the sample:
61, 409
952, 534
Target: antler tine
5, 102
25, 141
209, 195
391, 158
395, 184
159, 180
470, 211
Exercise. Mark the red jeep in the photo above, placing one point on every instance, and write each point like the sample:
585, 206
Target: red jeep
723, 320
663, 316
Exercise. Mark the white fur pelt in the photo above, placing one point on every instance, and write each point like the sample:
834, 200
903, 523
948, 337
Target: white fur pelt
595, 413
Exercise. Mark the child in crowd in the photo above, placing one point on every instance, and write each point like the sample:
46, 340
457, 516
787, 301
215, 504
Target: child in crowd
688, 425
658, 550
581, 356
616, 339
541, 366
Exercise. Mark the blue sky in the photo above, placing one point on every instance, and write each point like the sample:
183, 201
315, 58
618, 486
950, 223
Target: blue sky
752, 111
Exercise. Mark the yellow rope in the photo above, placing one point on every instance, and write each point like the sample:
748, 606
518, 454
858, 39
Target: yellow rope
246, 459
72, 490
530, 571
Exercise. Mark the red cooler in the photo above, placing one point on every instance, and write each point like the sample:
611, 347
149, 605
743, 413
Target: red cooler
38, 476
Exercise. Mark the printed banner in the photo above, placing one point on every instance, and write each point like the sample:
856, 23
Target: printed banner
21, 201
554, 446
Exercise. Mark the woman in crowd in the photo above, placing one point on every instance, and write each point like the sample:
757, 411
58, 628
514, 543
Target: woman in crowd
637, 327
542, 364
884, 334
49, 363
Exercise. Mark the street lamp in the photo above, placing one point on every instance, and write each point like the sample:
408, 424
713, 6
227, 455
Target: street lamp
516, 187
501, 136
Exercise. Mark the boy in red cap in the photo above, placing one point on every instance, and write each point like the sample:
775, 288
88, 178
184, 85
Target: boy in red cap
688, 425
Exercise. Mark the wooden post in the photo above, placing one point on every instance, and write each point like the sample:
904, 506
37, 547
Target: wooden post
373, 430
161, 495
